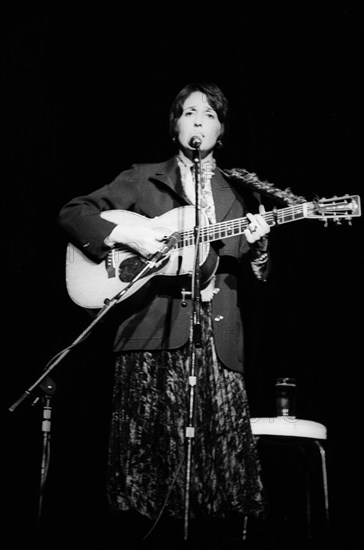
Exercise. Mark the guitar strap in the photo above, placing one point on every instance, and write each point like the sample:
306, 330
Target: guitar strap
251, 180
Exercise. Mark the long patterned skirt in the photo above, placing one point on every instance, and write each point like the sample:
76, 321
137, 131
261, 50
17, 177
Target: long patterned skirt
147, 448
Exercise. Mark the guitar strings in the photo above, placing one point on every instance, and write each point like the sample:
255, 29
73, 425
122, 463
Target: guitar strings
218, 230
235, 227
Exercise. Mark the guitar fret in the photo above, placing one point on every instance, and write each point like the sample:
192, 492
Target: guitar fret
285, 215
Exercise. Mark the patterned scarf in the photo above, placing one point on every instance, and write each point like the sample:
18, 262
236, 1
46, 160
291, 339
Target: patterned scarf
206, 202
188, 183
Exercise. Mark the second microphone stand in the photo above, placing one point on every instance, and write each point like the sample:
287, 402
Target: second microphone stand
46, 383
195, 341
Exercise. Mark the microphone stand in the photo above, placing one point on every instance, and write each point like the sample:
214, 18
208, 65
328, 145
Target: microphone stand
49, 388
45, 383
109, 303
195, 340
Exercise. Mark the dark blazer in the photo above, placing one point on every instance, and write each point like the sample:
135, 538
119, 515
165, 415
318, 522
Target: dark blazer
155, 317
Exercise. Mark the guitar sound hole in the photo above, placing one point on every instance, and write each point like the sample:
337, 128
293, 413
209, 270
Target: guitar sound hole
130, 267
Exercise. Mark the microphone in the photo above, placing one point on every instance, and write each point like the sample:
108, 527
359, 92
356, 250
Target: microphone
195, 142
170, 243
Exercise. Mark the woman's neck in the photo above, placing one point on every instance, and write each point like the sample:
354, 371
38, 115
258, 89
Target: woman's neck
187, 160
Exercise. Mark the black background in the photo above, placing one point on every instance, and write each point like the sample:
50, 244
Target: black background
86, 94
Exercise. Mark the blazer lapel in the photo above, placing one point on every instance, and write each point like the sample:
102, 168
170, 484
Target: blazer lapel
168, 174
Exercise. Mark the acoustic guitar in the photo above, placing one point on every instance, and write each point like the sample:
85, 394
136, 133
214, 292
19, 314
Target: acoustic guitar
90, 284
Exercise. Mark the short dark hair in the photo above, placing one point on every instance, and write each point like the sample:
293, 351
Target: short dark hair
215, 98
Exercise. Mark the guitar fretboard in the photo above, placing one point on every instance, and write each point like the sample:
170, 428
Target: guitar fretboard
232, 228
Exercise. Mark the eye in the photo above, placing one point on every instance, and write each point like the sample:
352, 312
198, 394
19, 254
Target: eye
189, 112
211, 114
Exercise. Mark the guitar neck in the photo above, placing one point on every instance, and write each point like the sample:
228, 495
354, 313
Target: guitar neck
233, 228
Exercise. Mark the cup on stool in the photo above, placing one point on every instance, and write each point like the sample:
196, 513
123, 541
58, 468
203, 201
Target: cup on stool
285, 395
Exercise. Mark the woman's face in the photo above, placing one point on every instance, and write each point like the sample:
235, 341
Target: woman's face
198, 119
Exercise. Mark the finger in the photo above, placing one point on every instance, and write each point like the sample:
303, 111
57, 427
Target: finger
249, 236
252, 225
261, 209
262, 224
162, 233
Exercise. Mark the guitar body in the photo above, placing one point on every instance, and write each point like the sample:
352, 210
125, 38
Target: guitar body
89, 284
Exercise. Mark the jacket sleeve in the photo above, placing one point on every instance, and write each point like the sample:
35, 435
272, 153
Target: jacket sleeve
80, 217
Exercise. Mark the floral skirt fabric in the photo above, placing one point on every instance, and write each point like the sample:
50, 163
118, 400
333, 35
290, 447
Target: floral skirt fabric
148, 461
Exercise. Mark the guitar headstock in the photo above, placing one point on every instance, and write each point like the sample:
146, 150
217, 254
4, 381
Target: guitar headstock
336, 208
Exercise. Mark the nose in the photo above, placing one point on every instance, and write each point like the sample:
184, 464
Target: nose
198, 121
